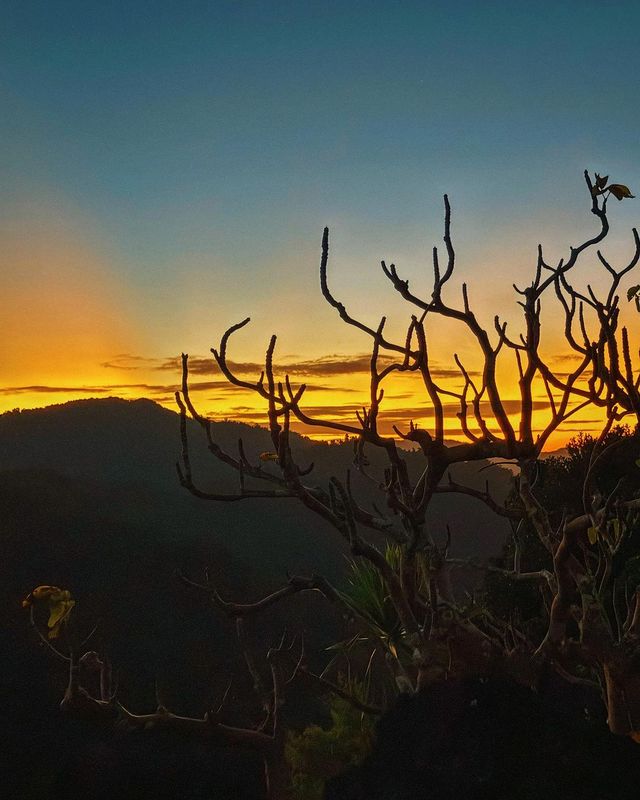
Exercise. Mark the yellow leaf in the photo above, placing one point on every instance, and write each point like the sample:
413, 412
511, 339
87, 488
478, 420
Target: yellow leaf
592, 533
620, 191
615, 524
38, 594
60, 605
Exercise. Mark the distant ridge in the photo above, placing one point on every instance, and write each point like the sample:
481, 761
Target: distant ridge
136, 443
119, 402
561, 452
113, 438
90, 500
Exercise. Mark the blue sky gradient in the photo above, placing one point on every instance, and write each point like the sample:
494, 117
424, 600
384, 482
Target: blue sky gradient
200, 147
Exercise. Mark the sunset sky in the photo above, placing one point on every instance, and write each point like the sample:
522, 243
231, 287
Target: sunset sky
168, 168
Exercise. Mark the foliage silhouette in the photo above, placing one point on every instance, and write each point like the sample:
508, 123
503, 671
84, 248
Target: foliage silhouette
438, 635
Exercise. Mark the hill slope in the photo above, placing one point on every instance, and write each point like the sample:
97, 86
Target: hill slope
89, 500
136, 443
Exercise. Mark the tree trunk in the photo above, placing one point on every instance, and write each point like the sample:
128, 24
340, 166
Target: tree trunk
623, 699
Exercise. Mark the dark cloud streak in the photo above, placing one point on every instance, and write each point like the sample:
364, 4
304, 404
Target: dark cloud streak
325, 366
151, 388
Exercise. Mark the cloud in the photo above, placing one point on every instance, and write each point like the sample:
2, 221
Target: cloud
585, 422
108, 388
325, 366
566, 357
417, 412
159, 391
388, 415
129, 362
9, 390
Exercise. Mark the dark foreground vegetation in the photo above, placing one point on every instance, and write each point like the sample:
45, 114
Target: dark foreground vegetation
493, 739
108, 520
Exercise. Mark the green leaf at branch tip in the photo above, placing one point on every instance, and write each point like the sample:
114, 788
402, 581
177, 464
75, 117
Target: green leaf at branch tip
592, 533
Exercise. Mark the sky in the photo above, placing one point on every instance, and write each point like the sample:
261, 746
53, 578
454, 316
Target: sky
168, 167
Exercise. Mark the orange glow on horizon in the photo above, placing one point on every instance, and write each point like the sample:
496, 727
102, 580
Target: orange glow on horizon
62, 313
329, 397
68, 331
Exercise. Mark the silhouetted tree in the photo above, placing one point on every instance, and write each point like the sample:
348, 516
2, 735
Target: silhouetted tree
402, 600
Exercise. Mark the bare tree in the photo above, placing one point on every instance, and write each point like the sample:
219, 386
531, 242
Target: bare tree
445, 636
92, 693
593, 623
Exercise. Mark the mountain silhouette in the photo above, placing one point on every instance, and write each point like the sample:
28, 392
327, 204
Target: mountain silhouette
133, 445
90, 501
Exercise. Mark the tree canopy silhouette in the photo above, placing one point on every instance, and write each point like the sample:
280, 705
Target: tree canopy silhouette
414, 623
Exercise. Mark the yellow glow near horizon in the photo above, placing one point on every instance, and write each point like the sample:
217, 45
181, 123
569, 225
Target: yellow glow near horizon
329, 397
68, 329
62, 314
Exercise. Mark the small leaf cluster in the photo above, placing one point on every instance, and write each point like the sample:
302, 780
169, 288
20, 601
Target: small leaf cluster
317, 754
367, 596
618, 190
